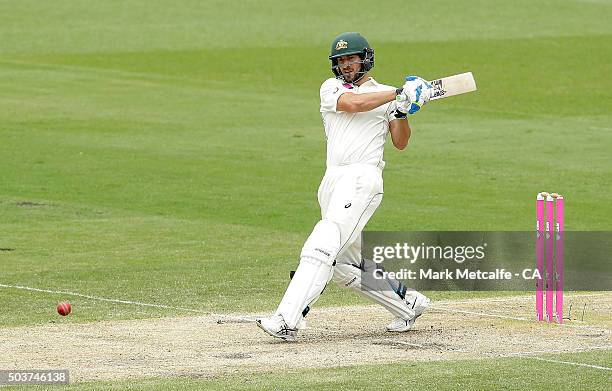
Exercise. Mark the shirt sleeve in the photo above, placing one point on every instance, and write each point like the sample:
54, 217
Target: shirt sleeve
389, 116
331, 90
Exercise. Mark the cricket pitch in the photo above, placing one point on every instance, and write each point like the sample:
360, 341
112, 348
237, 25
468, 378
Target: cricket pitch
217, 345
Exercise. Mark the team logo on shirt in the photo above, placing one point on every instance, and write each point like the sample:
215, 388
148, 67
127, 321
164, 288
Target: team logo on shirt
342, 44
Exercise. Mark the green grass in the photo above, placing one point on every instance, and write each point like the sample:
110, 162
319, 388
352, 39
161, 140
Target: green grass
196, 163
518, 374
173, 153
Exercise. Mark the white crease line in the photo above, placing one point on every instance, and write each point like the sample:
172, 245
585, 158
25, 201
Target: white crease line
243, 320
570, 363
417, 345
479, 314
237, 319
519, 298
27, 288
551, 351
592, 328
489, 300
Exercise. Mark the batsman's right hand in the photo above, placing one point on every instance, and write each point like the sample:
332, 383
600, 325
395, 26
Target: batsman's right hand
417, 92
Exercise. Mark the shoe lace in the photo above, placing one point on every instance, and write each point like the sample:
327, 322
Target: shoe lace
286, 330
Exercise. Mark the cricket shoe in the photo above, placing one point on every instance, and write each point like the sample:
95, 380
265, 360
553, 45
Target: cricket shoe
276, 327
419, 303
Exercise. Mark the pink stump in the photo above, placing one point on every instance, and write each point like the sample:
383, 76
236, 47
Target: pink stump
559, 267
549, 257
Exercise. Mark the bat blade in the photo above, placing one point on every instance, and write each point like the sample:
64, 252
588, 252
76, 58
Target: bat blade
453, 85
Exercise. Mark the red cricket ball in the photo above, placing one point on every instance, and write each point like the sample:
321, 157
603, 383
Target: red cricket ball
64, 308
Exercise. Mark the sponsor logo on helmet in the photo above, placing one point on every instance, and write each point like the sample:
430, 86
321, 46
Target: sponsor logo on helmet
341, 44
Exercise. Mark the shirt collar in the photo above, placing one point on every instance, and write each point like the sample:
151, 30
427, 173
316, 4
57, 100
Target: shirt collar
370, 82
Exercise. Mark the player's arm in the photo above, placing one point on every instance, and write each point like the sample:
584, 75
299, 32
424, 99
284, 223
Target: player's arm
357, 103
400, 133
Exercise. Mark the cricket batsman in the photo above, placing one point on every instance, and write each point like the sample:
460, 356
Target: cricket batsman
358, 114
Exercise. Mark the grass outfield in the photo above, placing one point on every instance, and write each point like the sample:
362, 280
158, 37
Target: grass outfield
518, 374
171, 155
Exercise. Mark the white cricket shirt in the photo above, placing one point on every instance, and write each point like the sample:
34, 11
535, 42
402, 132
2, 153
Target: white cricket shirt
354, 137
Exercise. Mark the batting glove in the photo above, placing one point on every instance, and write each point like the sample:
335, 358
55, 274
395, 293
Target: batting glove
417, 91
402, 105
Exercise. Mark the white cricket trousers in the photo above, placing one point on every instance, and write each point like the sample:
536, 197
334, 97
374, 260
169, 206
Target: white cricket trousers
348, 196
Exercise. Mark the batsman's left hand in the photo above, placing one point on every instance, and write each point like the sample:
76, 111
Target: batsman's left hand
417, 91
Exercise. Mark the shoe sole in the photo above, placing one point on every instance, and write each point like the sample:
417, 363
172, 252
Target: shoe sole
409, 325
283, 337
403, 329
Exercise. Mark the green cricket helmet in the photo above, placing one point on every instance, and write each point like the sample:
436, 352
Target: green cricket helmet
346, 44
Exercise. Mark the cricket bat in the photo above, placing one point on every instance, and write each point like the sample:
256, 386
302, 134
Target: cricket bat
453, 85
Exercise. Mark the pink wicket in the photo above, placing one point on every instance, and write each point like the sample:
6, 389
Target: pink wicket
540, 256
549, 243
